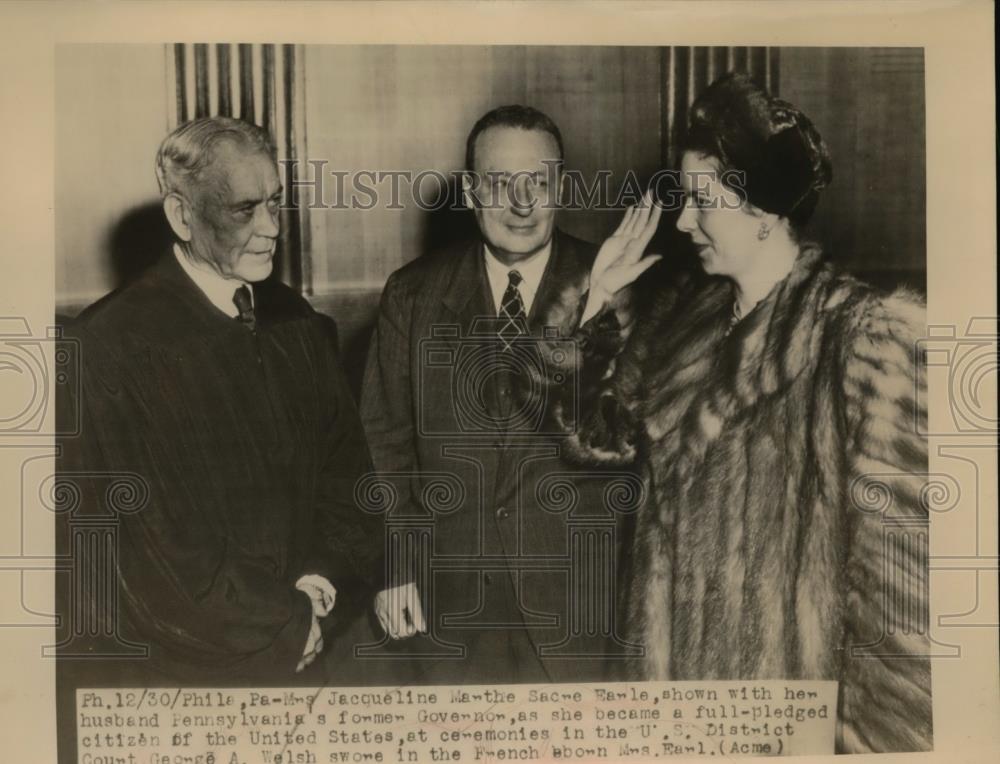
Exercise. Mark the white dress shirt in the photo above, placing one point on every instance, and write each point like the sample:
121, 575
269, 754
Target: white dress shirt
531, 271
216, 287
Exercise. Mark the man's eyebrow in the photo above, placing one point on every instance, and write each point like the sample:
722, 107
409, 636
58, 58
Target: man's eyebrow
255, 200
246, 202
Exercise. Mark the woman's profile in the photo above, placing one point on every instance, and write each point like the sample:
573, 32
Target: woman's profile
765, 405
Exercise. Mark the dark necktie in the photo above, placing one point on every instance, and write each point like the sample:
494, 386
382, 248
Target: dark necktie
244, 304
513, 319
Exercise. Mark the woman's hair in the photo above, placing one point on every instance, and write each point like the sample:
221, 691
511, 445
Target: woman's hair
763, 144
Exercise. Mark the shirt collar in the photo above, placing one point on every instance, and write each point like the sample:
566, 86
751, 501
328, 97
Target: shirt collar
218, 289
531, 271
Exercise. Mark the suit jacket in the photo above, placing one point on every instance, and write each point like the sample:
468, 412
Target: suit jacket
244, 448
468, 446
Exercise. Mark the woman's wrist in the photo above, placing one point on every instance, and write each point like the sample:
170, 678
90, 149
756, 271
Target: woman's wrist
597, 298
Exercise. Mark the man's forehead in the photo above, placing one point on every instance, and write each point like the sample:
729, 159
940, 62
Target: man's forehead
513, 148
240, 170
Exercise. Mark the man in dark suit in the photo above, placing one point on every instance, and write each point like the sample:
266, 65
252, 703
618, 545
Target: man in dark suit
223, 393
449, 398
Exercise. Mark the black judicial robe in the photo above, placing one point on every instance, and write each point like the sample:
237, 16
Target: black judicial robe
249, 445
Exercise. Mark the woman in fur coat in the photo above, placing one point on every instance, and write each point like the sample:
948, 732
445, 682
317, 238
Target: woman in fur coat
775, 410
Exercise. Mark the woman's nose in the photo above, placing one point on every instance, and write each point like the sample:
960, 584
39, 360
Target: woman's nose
685, 221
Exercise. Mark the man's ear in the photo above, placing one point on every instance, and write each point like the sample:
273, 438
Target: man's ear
178, 215
469, 183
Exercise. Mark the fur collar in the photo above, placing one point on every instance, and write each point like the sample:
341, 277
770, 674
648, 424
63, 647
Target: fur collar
775, 342
698, 375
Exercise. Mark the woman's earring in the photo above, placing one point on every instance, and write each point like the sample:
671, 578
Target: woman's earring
763, 232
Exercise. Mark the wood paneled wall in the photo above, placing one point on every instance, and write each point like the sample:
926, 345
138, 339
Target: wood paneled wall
258, 83
689, 70
411, 108
868, 104
110, 118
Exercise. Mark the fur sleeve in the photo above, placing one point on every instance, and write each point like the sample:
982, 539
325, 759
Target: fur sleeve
885, 692
586, 383
606, 430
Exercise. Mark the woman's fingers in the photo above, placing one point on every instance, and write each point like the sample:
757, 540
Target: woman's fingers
625, 222
635, 271
635, 248
654, 218
648, 206
645, 220
650, 225
625, 246
635, 223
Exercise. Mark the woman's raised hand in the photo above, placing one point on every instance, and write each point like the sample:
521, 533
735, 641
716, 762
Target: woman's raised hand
620, 260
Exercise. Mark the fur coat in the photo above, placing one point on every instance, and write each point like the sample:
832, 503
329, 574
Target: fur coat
786, 535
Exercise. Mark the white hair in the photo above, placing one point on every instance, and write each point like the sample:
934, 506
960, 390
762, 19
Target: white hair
188, 150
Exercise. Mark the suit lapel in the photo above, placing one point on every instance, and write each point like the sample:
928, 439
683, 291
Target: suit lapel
468, 302
465, 292
563, 274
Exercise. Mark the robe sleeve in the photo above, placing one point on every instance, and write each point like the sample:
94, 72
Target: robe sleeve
886, 690
192, 594
350, 542
387, 410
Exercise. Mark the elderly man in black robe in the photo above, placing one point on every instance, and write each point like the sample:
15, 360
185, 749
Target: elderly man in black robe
223, 390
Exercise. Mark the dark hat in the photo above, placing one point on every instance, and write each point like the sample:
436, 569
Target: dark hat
780, 157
